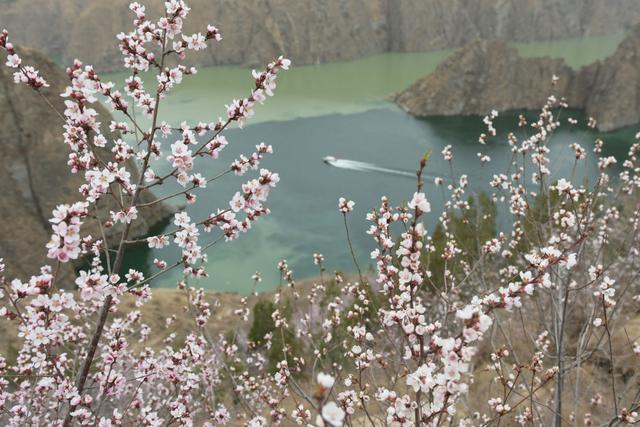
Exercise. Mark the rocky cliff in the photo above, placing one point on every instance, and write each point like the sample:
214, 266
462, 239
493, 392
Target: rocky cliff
435, 24
34, 177
486, 75
482, 76
312, 31
611, 88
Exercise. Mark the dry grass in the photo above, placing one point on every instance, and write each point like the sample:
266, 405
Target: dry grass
582, 383
594, 373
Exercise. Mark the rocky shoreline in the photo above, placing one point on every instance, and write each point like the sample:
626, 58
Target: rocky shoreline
489, 74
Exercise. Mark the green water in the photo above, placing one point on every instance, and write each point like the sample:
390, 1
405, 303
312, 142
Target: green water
575, 52
341, 87
303, 91
341, 110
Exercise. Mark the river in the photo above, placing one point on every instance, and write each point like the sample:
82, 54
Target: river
341, 110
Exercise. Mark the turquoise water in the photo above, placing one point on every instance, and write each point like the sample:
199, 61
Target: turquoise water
303, 91
339, 110
575, 52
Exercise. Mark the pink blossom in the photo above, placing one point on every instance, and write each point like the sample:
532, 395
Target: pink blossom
345, 206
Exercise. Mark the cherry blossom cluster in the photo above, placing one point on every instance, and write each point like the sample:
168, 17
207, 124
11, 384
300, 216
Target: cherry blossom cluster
26, 74
447, 328
265, 83
409, 342
83, 359
345, 206
65, 243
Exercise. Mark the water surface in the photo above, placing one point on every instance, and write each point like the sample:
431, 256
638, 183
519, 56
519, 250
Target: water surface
341, 110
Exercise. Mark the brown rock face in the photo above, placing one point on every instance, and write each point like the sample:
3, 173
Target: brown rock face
484, 75
312, 31
34, 177
614, 96
436, 24
487, 75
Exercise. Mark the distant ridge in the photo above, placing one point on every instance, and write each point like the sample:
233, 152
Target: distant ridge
312, 31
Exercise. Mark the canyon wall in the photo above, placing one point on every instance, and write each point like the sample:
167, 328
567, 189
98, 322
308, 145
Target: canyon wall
312, 31
34, 176
419, 25
612, 87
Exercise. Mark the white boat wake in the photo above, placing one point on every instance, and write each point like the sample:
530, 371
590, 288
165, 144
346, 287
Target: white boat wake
363, 167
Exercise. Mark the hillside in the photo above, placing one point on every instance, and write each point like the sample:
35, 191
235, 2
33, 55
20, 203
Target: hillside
313, 31
489, 74
34, 176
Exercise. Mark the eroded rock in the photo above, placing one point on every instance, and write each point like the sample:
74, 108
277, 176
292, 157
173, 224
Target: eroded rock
34, 176
312, 31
